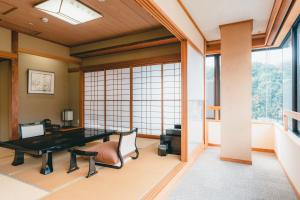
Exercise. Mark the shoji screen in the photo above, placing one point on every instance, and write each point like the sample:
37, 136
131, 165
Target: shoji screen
171, 95
94, 99
147, 99
118, 99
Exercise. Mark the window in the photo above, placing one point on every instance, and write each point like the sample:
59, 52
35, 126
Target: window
94, 99
171, 95
267, 84
147, 99
212, 75
210, 84
276, 77
118, 99
155, 98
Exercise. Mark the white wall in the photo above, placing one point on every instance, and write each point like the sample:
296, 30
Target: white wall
195, 82
262, 134
287, 148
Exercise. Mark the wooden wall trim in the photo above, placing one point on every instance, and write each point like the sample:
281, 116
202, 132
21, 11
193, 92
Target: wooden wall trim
8, 55
191, 18
139, 62
128, 47
74, 69
184, 103
280, 11
274, 12
51, 56
154, 10
14, 121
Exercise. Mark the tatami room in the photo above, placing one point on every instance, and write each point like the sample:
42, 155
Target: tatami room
69, 85
149, 99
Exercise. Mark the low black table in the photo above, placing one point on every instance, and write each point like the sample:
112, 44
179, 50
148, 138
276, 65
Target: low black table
56, 141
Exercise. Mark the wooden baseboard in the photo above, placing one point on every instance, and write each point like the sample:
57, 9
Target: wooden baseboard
148, 136
288, 177
213, 145
253, 149
263, 150
247, 162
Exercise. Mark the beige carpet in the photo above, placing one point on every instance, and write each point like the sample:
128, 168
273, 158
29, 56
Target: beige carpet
134, 180
212, 179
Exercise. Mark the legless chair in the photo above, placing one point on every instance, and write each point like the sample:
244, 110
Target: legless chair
31, 130
108, 154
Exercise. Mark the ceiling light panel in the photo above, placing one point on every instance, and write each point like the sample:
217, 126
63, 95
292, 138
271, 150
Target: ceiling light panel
71, 11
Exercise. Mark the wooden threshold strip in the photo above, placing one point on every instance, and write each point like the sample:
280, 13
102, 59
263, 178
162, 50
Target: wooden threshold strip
173, 175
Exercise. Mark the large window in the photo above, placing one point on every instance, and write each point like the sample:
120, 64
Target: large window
267, 84
155, 98
276, 78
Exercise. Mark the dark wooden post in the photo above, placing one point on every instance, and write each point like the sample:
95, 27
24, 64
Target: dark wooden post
14, 87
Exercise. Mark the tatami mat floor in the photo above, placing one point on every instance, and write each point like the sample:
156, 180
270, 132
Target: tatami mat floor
133, 181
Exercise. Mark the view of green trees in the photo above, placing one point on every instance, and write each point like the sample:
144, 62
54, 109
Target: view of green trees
266, 91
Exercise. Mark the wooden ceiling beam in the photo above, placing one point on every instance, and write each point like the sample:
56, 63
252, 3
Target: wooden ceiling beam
214, 47
280, 10
127, 47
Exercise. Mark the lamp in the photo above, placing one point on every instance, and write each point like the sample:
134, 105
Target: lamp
67, 117
71, 11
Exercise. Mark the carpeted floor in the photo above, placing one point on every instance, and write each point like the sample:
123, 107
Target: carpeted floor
212, 179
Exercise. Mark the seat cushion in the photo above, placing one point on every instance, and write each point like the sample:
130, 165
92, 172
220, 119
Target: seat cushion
107, 152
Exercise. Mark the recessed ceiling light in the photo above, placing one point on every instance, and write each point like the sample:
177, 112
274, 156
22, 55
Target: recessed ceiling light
71, 11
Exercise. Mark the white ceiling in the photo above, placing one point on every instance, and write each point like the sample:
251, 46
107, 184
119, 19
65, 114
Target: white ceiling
209, 14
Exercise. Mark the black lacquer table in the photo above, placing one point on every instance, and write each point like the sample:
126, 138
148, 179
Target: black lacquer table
47, 144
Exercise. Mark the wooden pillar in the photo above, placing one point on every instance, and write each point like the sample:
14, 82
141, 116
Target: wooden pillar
14, 88
236, 83
81, 99
131, 97
184, 103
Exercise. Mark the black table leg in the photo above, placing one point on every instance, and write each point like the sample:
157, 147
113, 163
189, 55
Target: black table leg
19, 158
73, 163
106, 139
47, 166
92, 167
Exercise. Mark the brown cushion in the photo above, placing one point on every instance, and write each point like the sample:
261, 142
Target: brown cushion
107, 152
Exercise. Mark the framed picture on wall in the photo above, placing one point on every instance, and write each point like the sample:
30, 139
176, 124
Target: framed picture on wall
40, 82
